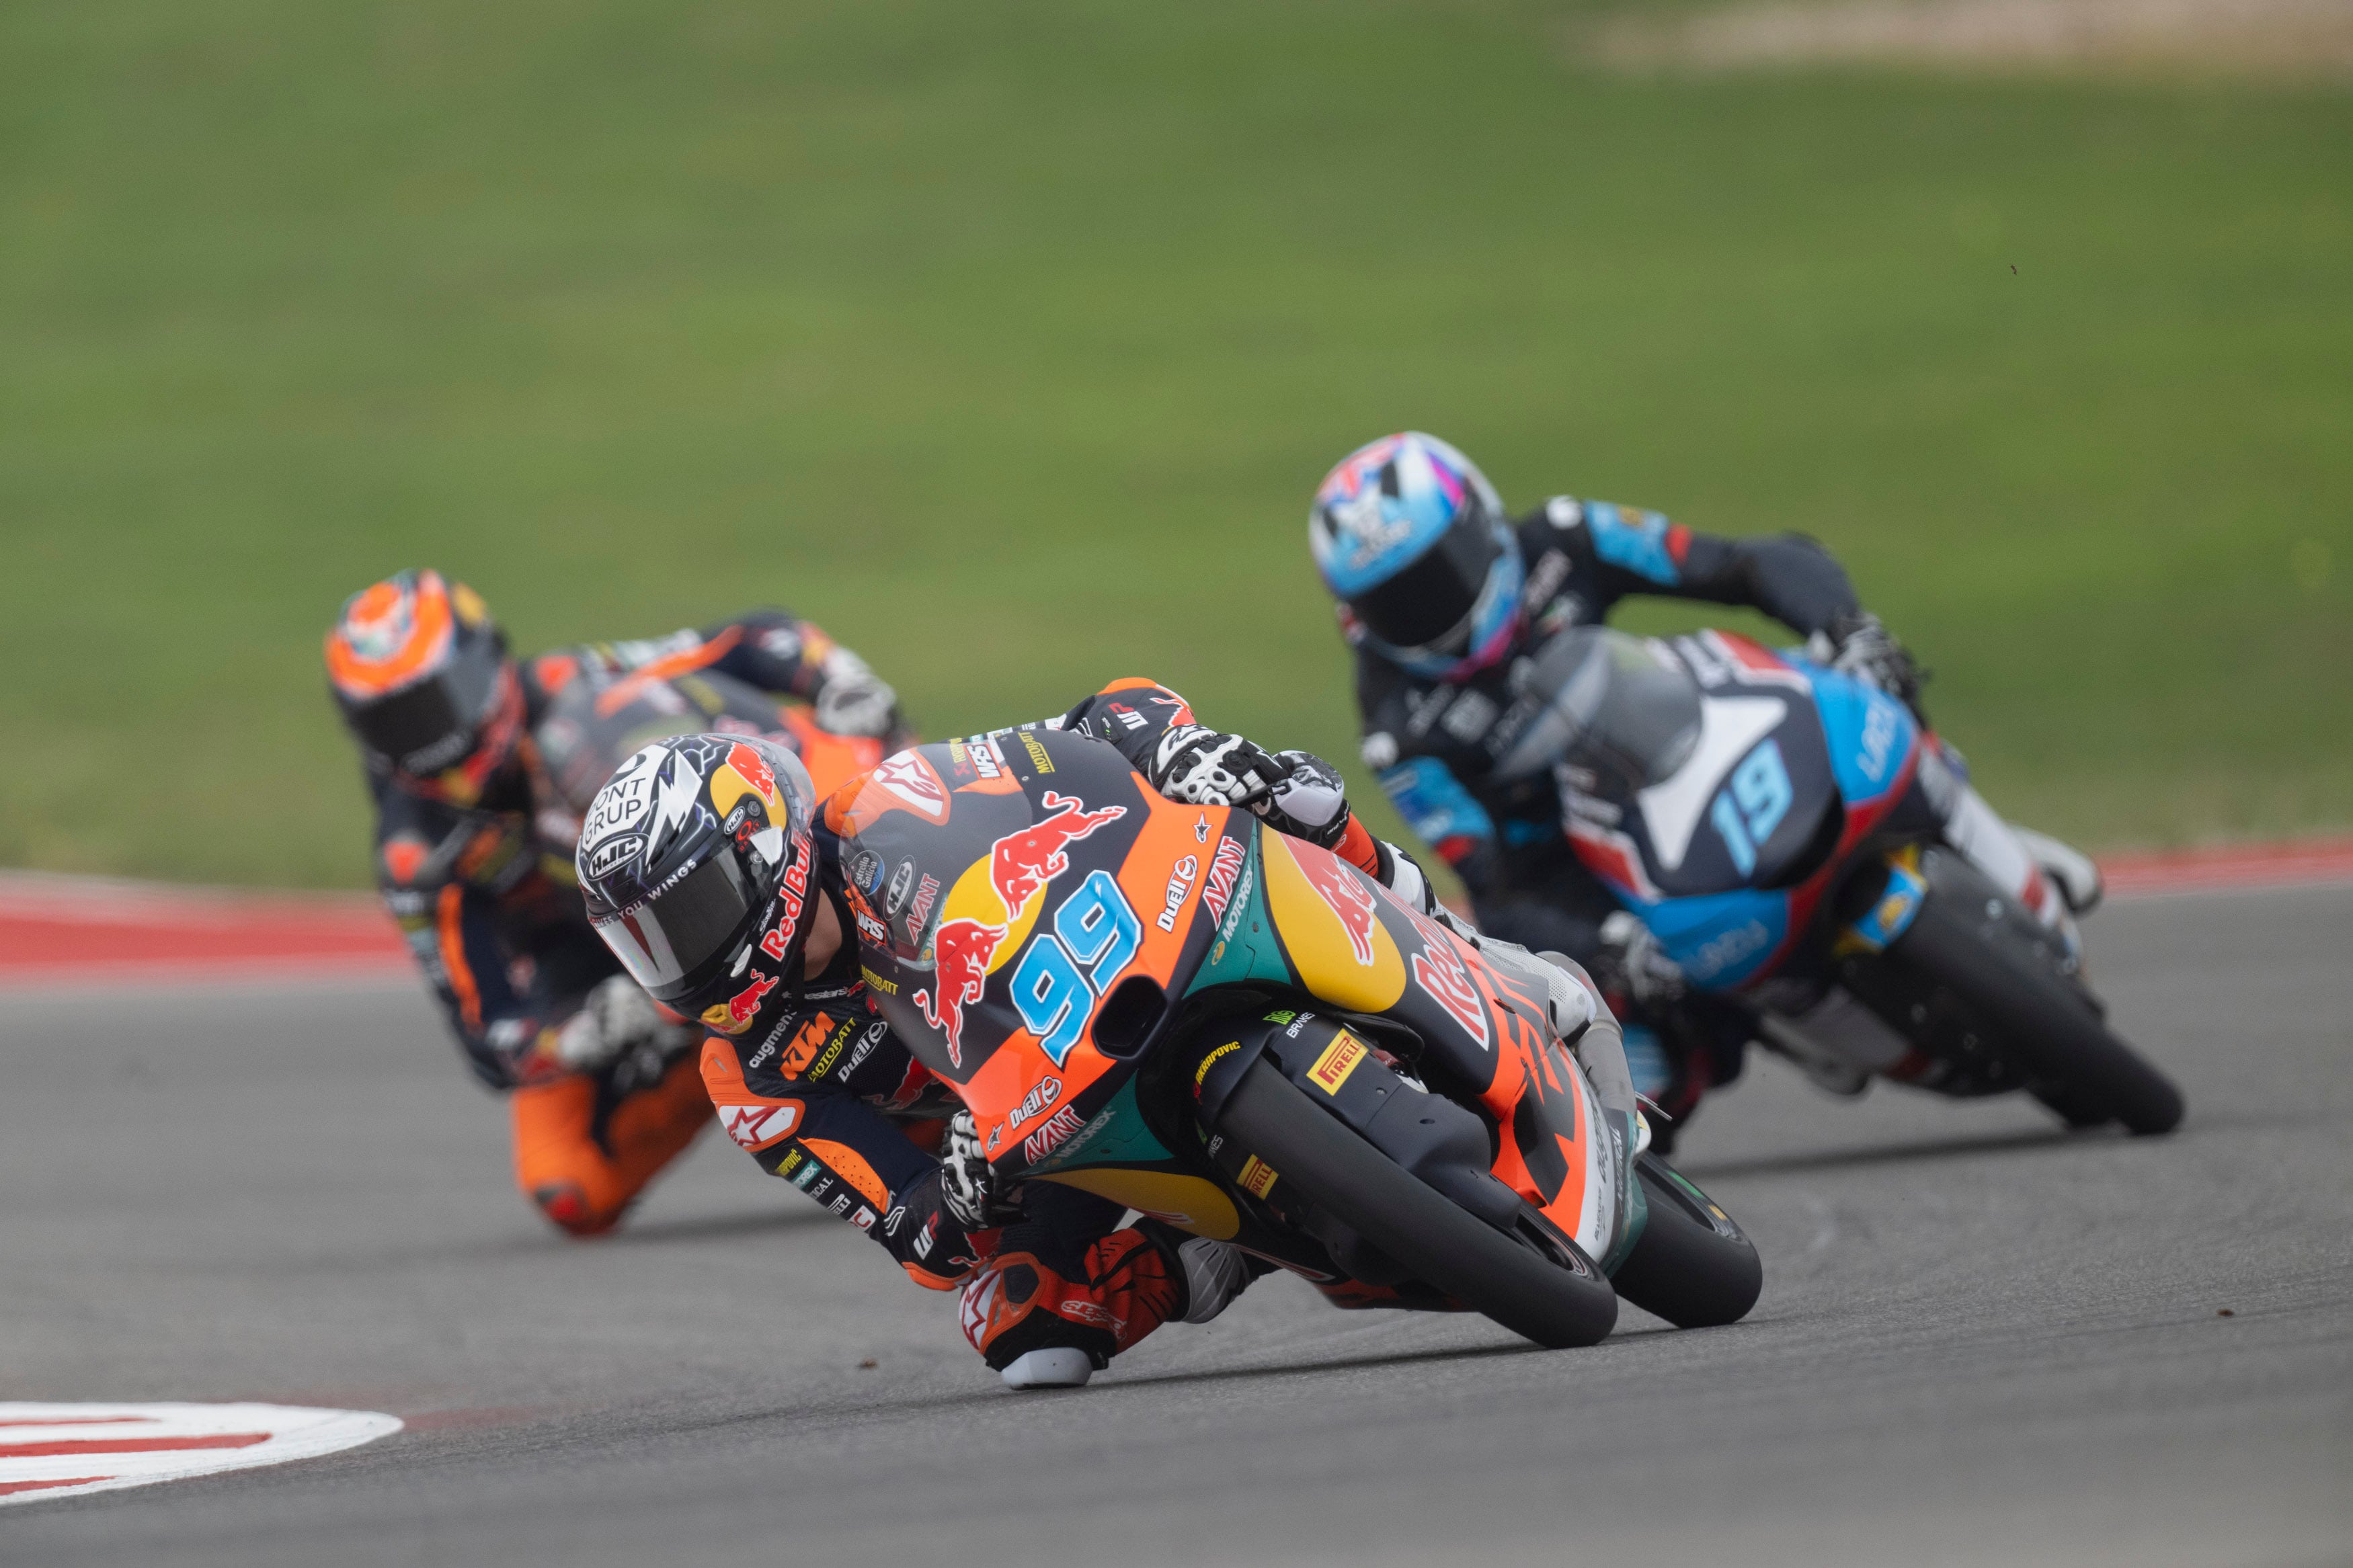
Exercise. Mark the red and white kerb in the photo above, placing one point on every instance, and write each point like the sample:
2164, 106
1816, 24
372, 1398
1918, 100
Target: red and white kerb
62, 1450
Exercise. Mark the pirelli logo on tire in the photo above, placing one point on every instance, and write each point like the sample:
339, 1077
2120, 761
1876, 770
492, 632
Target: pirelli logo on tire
1338, 1060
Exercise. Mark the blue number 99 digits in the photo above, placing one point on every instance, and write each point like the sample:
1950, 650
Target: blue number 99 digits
1100, 927
1054, 997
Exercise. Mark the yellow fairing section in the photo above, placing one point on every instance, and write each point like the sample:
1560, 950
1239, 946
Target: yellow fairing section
1328, 958
1188, 1203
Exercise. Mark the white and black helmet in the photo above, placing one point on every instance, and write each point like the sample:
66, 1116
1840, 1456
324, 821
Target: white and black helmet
697, 864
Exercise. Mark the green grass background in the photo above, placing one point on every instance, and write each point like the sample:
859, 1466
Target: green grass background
1010, 341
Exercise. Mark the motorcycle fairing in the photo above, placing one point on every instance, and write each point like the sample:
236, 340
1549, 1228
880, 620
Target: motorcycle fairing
1296, 916
590, 728
1851, 749
1354, 946
1088, 891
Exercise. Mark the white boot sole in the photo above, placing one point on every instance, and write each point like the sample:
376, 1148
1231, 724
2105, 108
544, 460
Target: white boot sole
1056, 1368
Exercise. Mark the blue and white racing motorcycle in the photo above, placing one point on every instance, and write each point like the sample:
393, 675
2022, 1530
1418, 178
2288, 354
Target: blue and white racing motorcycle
1789, 836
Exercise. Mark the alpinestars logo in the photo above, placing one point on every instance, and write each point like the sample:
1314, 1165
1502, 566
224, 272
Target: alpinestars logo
756, 1127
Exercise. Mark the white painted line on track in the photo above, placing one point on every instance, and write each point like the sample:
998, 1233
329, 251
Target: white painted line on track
63, 1450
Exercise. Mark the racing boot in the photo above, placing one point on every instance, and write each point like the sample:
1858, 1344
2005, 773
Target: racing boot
2073, 872
1040, 1330
583, 1157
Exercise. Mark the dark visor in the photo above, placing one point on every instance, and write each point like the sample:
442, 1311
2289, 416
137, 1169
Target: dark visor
425, 728
1428, 604
673, 935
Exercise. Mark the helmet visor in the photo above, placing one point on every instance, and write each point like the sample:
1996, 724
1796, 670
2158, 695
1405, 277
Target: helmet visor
1427, 606
427, 727
678, 931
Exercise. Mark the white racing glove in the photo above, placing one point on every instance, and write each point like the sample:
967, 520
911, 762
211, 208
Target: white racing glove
968, 1186
854, 701
616, 1017
1201, 766
1310, 801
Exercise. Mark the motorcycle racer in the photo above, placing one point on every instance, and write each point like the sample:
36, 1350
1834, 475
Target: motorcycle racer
473, 857
1439, 593
713, 874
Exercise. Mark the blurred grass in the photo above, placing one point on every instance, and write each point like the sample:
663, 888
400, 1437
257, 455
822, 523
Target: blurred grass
1009, 342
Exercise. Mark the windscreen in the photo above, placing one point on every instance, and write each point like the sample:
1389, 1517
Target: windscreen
1615, 705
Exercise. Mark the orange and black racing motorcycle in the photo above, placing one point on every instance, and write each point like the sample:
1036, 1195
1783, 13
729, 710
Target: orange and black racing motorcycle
1245, 1037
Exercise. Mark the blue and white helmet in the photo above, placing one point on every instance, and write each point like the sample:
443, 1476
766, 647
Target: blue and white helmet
1412, 541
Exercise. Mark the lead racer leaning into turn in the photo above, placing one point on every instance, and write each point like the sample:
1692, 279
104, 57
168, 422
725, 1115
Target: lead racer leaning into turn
723, 892
1440, 595
473, 855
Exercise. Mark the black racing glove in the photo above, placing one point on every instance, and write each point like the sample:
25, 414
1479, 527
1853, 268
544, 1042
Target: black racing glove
1862, 647
1630, 964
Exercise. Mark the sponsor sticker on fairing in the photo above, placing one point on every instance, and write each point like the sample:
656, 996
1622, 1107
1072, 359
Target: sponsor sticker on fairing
1052, 1136
1180, 882
1036, 1102
1438, 971
1339, 1059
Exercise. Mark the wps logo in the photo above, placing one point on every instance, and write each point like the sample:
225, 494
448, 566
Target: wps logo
757, 1127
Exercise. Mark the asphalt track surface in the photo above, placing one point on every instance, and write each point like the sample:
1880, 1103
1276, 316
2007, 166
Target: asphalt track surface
1981, 1341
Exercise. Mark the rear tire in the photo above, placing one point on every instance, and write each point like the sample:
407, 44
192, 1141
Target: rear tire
1692, 1265
1539, 1285
2076, 1065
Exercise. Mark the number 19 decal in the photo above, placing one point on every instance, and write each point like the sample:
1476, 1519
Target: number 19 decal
1055, 996
1752, 804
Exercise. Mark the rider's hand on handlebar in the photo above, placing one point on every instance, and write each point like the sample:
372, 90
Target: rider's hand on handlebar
1863, 649
854, 701
1310, 801
1201, 766
616, 1017
1632, 964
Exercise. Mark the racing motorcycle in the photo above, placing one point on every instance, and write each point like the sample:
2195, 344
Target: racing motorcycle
1780, 829
594, 727
1245, 1037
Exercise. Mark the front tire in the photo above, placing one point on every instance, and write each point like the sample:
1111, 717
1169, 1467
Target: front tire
1538, 1284
1692, 1265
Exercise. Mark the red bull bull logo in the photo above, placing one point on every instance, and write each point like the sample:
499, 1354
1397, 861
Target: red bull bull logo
754, 769
1348, 897
735, 1016
1022, 863
961, 955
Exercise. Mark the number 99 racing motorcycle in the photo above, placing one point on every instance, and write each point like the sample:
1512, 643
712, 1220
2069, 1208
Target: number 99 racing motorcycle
1245, 1037
1785, 831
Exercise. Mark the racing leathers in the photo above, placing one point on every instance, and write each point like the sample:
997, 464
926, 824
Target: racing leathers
488, 900
816, 1086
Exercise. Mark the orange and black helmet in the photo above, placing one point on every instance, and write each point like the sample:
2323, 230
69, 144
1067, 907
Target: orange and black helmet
420, 672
